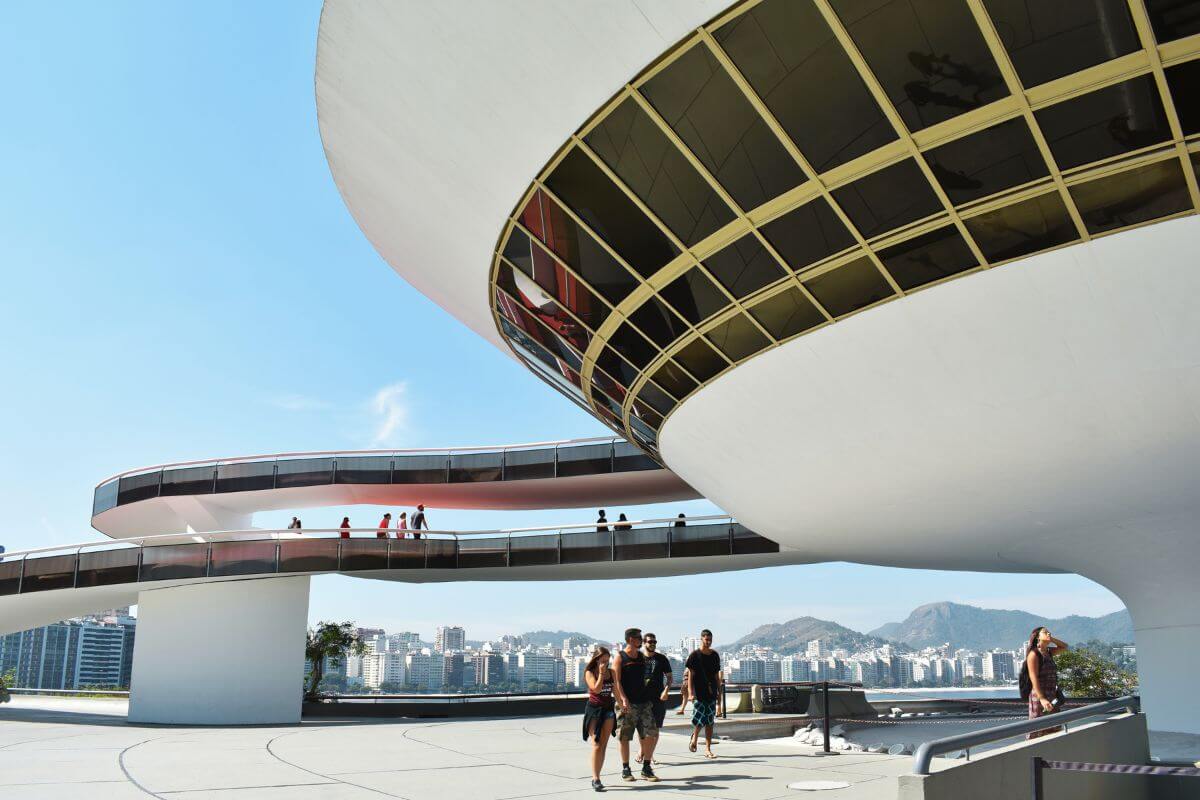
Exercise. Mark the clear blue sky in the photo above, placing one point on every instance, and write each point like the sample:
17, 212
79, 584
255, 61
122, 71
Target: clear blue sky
182, 280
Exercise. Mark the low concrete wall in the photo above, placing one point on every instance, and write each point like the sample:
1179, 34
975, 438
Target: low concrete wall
1006, 773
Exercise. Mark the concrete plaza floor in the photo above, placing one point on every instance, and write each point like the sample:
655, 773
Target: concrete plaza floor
68, 748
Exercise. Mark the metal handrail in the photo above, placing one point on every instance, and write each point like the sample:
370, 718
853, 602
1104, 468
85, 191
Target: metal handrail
948, 744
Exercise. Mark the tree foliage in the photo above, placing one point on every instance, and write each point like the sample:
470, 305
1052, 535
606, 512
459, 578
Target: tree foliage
1083, 673
7, 679
329, 640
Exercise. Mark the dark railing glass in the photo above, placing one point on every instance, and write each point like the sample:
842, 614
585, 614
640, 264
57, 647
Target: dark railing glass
189, 480
533, 551
105, 497
476, 467
108, 567
138, 487
476, 553
363, 554
526, 464
242, 558
248, 477
303, 472
51, 572
308, 555
174, 561
421, 469
642, 543
588, 459
364, 469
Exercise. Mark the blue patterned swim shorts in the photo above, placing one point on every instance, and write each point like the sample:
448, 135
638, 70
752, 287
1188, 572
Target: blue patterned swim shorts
704, 713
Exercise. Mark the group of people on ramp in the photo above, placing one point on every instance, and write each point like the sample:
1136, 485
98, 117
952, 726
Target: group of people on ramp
628, 692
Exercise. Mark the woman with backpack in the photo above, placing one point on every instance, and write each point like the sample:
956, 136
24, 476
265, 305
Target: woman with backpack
599, 715
1039, 677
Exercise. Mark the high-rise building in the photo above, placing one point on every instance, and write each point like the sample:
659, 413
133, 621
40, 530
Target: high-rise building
452, 670
489, 669
816, 649
450, 639
86, 652
383, 667
997, 665
687, 644
794, 670
537, 668
425, 670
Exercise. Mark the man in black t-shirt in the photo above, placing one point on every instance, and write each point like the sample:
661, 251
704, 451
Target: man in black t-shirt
705, 678
658, 680
631, 685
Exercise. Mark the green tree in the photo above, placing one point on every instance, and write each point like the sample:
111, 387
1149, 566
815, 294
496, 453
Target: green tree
334, 640
1083, 673
6, 680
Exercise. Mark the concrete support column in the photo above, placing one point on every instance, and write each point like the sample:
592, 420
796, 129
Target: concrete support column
221, 653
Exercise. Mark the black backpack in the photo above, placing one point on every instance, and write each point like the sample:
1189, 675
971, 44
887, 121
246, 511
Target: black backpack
1024, 683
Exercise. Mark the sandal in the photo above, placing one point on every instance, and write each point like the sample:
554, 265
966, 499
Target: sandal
692, 746
710, 754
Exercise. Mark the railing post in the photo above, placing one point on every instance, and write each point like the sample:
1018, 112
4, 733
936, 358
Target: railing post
141, 555
560, 548
339, 555
508, 551
278, 557
21, 577
731, 538
670, 537
724, 702
75, 579
1038, 766
825, 711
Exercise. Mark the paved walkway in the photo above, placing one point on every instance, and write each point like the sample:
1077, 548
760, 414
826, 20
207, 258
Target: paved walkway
68, 748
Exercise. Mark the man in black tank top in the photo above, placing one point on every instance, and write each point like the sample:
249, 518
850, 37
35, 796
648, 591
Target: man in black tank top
635, 706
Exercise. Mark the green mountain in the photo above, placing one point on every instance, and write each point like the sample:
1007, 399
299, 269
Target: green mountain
982, 628
794, 635
555, 638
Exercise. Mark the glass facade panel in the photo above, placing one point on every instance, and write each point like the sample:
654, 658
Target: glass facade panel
309, 555
737, 337
522, 465
747, 541
1105, 123
138, 487
45, 573
552, 290
627, 458
564, 349
364, 554
808, 234
642, 543
10, 577
105, 497
303, 472
787, 314
242, 558
364, 469
615, 366
603, 383
441, 553
656, 398
580, 250
108, 567
890, 198
188, 480
428, 468
987, 162
703, 105
482, 553
175, 561
660, 323
1173, 19
587, 546
633, 346
928, 257
790, 56
643, 157
1050, 40
534, 551
744, 267
670, 377
928, 55
1023, 228
1127, 198
849, 287
701, 360
607, 210
476, 467
1184, 82
584, 459
694, 296
650, 419
700, 540
246, 477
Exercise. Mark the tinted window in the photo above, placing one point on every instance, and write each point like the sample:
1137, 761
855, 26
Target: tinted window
656, 398
670, 377
1140, 195
660, 323
737, 338
549, 280
1049, 40
1173, 19
105, 497
1184, 82
789, 55
188, 480
1022, 228
987, 162
744, 266
701, 360
610, 213
694, 296
927, 258
703, 105
636, 149
787, 314
807, 234
887, 199
632, 345
645, 414
1105, 123
928, 55
849, 287
617, 367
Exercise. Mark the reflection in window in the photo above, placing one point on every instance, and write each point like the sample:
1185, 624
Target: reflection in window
701, 360
744, 266
794, 63
737, 338
670, 377
631, 344
1173, 19
606, 384
1023, 228
787, 314
1184, 82
660, 323
610, 213
656, 398
694, 296
633, 147
1104, 123
887, 199
580, 250
807, 234
928, 55
648, 415
620, 369
548, 313
1049, 40
547, 279
987, 162
929, 257
849, 287
1127, 198
703, 105
538, 332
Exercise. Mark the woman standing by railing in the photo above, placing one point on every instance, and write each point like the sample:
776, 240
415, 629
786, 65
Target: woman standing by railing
1041, 673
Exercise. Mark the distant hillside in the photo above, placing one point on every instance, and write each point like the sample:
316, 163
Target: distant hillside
794, 635
983, 628
540, 638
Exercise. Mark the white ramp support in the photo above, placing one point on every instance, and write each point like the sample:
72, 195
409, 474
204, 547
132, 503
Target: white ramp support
223, 653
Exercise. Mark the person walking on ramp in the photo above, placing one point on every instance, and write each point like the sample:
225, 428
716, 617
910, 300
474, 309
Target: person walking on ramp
704, 676
636, 706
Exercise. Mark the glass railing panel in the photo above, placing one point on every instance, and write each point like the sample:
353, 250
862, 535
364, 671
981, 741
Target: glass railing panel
407, 554
48, 572
174, 561
421, 469
522, 465
582, 548
308, 555
747, 541
440, 553
476, 467
138, 487
10, 576
246, 477
360, 554
477, 553
108, 567
364, 469
700, 540
188, 480
534, 551
642, 543
629, 458
243, 558
303, 472
584, 459
105, 497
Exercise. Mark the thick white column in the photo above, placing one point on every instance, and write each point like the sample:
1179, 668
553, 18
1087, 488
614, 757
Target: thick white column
221, 653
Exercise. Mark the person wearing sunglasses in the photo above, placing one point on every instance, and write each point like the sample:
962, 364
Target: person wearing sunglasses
658, 678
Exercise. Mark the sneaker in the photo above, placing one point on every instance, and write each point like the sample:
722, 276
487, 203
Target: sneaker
597, 786
627, 774
648, 774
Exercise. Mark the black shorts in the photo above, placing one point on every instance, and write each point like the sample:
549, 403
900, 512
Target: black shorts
659, 707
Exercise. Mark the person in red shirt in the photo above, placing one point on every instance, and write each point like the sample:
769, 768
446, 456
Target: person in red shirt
345, 527
384, 524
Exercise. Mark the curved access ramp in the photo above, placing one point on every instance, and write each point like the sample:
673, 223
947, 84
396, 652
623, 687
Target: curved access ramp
223, 494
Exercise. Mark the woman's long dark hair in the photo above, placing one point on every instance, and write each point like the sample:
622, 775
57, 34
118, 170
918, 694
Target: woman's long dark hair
1033, 638
593, 666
